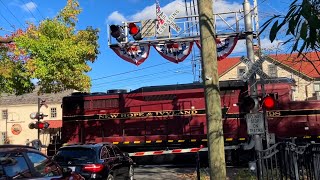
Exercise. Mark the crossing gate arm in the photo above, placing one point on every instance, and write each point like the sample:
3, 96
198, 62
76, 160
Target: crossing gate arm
173, 151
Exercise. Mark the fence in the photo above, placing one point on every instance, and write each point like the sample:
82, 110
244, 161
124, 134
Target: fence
290, 161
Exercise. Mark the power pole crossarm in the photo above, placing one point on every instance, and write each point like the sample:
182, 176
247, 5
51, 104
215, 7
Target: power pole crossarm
211, 88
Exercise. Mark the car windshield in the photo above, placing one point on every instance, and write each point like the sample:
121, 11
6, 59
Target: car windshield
75, 155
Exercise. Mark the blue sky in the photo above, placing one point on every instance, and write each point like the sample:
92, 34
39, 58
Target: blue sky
111, 72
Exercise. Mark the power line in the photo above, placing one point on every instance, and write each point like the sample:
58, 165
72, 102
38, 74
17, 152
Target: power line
7, 20
30, 11
146, 75
136, 82
12, 14
38, 10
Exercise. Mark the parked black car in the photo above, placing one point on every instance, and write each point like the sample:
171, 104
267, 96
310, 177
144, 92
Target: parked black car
96, 161
25, 162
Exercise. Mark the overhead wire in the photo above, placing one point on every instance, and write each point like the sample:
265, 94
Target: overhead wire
38, 10
141, 76
127, 72
30, 11
13, 26
12, 14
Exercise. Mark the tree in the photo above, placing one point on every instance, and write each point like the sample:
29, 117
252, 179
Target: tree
302, 25
54, 53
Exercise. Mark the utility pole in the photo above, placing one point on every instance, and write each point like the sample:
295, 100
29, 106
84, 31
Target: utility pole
211, 89
253, 80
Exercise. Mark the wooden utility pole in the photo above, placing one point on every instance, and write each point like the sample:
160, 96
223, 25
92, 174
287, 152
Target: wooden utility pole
212, 92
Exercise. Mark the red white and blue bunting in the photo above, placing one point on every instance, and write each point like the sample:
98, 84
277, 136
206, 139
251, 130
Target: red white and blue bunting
135, 54
224, 46
175, 52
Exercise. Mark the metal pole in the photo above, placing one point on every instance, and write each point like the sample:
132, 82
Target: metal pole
6, 127
256, 19
198, 165
253, 80
38, 117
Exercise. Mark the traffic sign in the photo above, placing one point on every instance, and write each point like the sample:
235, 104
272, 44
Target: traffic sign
253, 67
255, 123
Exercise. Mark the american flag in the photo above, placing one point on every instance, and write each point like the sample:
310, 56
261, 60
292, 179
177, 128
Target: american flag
158, 12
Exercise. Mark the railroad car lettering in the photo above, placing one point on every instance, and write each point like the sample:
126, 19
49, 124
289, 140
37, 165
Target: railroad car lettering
273, 113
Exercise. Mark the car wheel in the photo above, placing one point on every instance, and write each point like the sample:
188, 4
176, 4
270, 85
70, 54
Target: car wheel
131, 173
110, 177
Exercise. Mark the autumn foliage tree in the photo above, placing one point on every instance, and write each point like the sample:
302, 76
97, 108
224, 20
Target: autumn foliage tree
54, 53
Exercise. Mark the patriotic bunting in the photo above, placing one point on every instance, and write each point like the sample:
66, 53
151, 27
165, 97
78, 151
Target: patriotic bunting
224, 46
135, 54
174, 52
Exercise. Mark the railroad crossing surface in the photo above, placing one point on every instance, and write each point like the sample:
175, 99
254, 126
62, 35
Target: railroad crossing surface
174, 172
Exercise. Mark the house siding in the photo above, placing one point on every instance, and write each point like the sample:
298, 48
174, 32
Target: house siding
299, 92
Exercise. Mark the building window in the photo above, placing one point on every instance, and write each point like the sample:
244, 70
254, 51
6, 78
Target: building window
53, 112
5, 114
241, 71
316, 87
272, 70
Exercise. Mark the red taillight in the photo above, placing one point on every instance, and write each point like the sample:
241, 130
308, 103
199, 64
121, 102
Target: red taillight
93, 168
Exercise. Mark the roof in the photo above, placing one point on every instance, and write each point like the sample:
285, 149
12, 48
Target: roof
290, 62
15, 147
32, 98
306, 64
227, 64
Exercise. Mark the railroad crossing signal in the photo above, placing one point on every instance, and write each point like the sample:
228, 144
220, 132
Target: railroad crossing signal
39, 125
253, 67
164, 20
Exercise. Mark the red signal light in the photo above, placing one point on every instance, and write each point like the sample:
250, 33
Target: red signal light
42, 125
134, 31
269, 102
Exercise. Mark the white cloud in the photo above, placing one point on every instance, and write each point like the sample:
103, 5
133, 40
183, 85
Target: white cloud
267, 46
149, 12
115, 17
30, 6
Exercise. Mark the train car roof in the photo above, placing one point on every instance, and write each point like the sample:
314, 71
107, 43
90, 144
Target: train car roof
224, 85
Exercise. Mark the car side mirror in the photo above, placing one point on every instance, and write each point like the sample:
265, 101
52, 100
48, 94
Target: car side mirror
66, 172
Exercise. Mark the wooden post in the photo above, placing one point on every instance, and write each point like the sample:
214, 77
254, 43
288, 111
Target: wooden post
212, 92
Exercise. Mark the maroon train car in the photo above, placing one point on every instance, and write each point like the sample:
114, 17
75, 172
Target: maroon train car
173, 116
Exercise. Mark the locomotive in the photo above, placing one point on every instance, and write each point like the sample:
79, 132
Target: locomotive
174, 116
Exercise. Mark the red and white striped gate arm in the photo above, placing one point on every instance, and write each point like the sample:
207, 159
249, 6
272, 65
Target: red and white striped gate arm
173, 151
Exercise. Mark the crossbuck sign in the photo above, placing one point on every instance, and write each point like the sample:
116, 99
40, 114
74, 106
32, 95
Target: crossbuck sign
253, 68
164, 20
